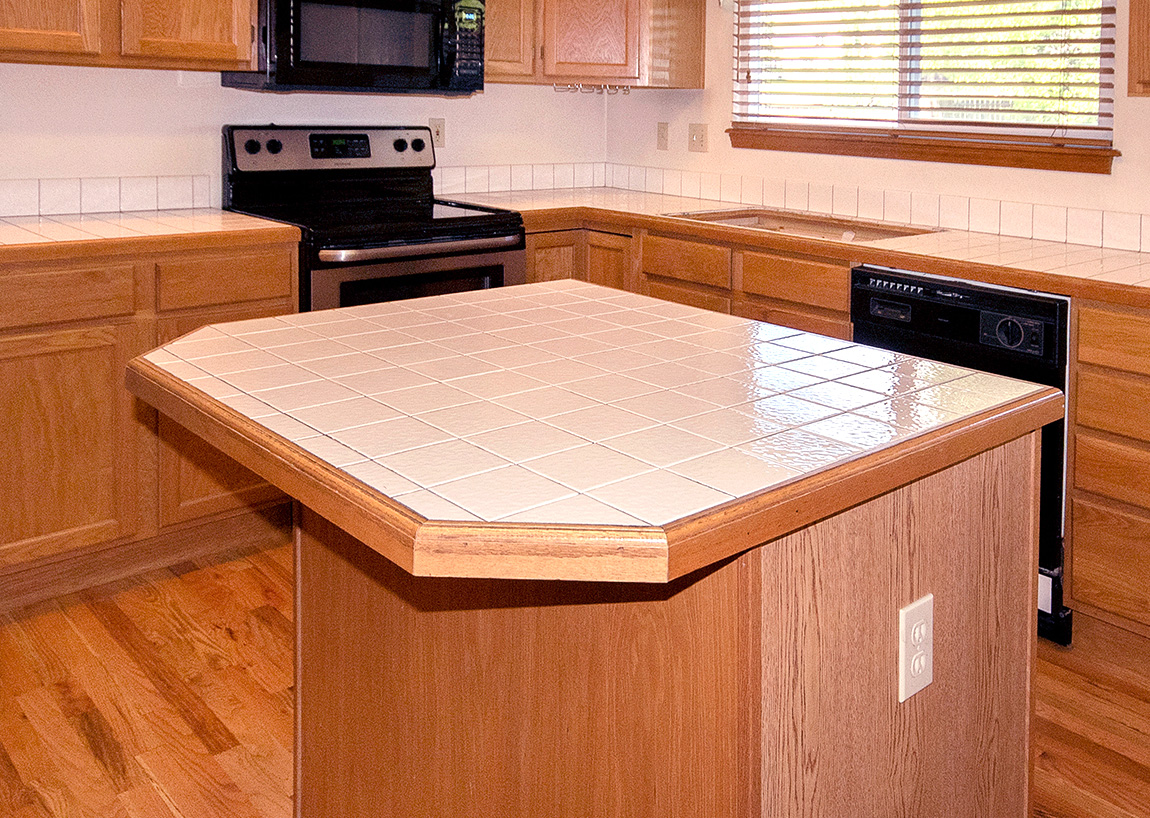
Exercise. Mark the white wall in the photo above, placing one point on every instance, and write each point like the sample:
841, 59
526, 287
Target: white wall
61, 122
631, 129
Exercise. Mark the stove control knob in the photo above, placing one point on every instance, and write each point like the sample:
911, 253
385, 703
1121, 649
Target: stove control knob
400, 145
418, 145
275, 146
252, 146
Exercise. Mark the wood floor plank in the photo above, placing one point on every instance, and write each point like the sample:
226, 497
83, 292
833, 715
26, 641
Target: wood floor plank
1076, 778
197, 786
146, 801
17, 799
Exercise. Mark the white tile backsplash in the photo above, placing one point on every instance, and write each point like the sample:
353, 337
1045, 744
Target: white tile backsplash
173, 192
954, 212
985, 215
796, 195
59, 196
1122, 231
1049, 223
100, 195
730, 187
820, 197
845, 201
19, 197
138, 193
1017, 219
896, 206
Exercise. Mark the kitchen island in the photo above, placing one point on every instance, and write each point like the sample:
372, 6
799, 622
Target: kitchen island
564, 550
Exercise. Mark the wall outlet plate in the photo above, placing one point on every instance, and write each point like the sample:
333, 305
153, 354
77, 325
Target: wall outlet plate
438, 131
662, 138
697, 137
915, 647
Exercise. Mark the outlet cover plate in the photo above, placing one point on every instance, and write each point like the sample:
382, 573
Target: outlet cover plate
915, 646
662, 138
697, 137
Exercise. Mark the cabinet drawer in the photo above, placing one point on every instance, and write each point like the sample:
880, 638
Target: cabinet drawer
1114, 402
794, 318
687, 261
1111, 560
1116, 339
202, 281
803, 281
1113, 469
690, 296
42, 296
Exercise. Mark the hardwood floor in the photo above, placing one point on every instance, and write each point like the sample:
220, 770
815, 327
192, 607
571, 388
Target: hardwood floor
169, 696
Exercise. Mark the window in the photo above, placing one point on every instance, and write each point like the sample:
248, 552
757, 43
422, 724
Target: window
1023, 84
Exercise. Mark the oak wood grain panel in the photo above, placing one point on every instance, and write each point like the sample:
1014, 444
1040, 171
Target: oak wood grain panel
552, 256
52, 26
513, 698
792, 315
55, 295
591, 38
686, 294
509, 38
1112, 468
1113, 402
1138, 70
205, 280
608, 259
68, 467
212, 31
1112, 560
678, 34
692, 261
1120, 340
804, 281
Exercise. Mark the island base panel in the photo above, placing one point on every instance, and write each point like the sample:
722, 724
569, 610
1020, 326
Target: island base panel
764, 685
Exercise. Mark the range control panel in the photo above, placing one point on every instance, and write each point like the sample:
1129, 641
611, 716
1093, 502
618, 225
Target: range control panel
280, 148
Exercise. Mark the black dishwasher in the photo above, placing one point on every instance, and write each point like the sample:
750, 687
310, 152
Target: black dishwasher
1018, 333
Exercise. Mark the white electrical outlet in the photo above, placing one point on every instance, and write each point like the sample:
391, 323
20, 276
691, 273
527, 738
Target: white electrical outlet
915, 647
662, 140
438, 131
697, 137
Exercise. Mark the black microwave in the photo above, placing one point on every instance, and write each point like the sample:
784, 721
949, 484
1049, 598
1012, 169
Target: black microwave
380, 46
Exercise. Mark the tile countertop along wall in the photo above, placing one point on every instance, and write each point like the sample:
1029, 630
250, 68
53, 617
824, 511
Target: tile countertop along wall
565, 402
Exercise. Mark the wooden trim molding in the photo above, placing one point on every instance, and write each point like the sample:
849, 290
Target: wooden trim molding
1081, 156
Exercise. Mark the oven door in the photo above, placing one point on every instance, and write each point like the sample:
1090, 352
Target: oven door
349, 277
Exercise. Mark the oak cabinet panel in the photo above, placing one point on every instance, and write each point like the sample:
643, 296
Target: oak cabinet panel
691, 296
509, 38
591, 38
1113, 402
51, 26
68, 456
1112, 560
60, 292
608, 259
587, 255
552, 256
801, 280
1116, 339
1138, 78
194, 30
685, 260
204, 280
793, 316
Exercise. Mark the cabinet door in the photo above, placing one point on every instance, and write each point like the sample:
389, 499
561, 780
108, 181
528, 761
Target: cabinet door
196, 479
1138, 80
52, 26
209, 31
591, 38
552, 256
608, 259
509, 39
69, 455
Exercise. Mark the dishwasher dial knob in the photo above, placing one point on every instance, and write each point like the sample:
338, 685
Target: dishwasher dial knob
1010, 333
252, 146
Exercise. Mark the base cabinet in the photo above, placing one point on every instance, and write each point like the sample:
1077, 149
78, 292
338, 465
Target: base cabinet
587, 255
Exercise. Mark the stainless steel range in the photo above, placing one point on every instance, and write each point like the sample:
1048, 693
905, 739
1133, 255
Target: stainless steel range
363, 199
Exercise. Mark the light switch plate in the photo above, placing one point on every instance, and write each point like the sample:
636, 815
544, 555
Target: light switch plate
662, 139
697, 137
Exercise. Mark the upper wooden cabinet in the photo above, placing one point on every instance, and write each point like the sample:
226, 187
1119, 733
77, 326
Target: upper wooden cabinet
642, 43
194, 34
1138, 77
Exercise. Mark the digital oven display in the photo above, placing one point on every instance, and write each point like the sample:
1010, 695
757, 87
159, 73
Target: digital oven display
339, 146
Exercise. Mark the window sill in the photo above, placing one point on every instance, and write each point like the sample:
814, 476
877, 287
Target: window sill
1081, 156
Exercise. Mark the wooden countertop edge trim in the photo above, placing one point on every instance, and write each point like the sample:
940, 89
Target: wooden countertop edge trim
224, 239
713, 536
384, 525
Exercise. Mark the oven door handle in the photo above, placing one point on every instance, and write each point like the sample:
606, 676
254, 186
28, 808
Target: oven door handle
440, 248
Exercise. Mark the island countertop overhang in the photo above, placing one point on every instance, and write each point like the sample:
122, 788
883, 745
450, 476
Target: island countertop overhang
655, 550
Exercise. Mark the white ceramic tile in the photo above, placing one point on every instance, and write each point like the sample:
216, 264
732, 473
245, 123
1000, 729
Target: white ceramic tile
1050, 223
787, 411
908, 413
1121, 231
865, 356
59, 196
441, 462
985, 215
299, 396
1017, 219
577, 509
583, 174
998, 388
809, 342
500, 493
729, 390
201, 191
870, 204
822, 366
377, 378
387, 437
845, 200
954, 398
600, 175
521, 177
542, 177
345, 414
174, 192
730, 187
659, 497
711, 186
1084, 226
523, 442
434, 507
800, 450
896, 206
423, 398
618, 175
856, 430
734, 472
546, 402
662, 446
564, 177
286, 427
499, 178
751, 190
837, 395
449, 181
270, 377
19, 197
954, 212
672, 182
820, 197
585, 467
774, 193
653, 180
381, 479
138, 193
472, 418
636, 177
330, 451
796, 195
100, 195
731, 426
692, 184
600, 422
924, 209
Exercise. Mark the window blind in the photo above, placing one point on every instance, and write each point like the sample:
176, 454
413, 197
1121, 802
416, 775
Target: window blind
961, 68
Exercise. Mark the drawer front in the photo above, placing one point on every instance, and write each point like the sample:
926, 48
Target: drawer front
1112, 560
690, 296
795, 319
687, 261
1120, 340
202, 281
43, 296
1112, 469
1114, 402
803, 281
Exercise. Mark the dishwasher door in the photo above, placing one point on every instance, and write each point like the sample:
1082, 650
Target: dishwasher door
1006, 331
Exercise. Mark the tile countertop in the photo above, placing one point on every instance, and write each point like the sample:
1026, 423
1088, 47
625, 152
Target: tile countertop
38, 230
567, 404
1055, 259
